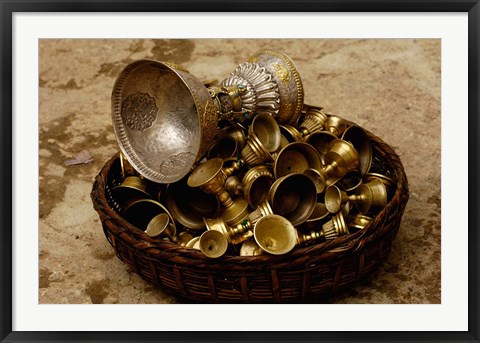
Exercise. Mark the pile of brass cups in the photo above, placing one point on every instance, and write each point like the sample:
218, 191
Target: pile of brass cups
264, 188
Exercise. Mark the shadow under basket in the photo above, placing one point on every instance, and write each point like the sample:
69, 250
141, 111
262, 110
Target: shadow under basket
307, 274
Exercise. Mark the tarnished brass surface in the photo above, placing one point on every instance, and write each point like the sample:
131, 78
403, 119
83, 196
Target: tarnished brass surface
335, 125
296, 158
293, 196
213, 244
161, 224
358, 222
223, 147
275, 234
313, 121
321, 142
317, 217
291, 133
257, 182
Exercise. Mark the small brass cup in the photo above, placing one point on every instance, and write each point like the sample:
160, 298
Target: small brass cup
335, 125
162, 225
189, 205
296, 158
183, 238
387, 181
335, 198
257, 182
294, 197
266, 129
360, 141
341, 159
213, 244
142, 211
194, 241
132, 188
275, 234
372, 197
335, 227
313, 121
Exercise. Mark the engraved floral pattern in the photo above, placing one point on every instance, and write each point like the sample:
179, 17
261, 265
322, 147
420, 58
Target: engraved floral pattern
139, 111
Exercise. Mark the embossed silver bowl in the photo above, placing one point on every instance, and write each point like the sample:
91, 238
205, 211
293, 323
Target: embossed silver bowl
165, 119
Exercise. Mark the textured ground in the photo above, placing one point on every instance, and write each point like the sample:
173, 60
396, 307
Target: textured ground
390, 87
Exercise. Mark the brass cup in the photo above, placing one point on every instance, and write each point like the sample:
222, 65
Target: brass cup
312, 122
234, 186
283, 143
335, 199
224, 147
254, 153
360, 141
335, 227
162, 225
296, 158
262, 210
142, 211
358, 222
266, 129
209, 177
235, 213
257, 182
132, 188
371, 197
236, 131
341, 159
291, 134
387, 181
335, 125
321, 142
294, 197
275, 234
213, 244
318, 216
189, 205
250, 248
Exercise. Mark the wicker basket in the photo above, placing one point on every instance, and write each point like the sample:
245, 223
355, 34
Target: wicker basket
307, 274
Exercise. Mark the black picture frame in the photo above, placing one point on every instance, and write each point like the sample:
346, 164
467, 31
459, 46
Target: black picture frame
7, 9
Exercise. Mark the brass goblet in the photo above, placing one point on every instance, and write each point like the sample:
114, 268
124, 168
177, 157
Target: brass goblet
361, 142
162, 225
189, 205
294, 197
341, 159
275, 234
193, 243
368, 197
254, 186
296, 158
335, 125
183, 238
132, 188
335, 227
210, 177
264, 138
387, 181
213, 244
165, 119
142, 211
313, 121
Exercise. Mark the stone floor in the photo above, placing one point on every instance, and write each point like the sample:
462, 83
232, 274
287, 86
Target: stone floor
390, 87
